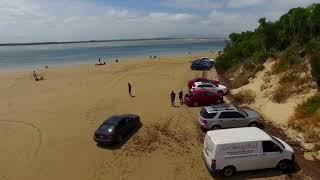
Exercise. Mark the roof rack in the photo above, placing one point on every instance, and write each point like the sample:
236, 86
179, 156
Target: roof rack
223, 107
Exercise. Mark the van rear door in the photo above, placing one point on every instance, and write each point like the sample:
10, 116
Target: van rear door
209, 151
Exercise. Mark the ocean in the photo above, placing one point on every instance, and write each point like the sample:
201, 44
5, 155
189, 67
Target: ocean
34, 56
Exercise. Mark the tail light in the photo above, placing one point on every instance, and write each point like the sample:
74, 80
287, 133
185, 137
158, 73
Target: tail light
213, 164
205, 122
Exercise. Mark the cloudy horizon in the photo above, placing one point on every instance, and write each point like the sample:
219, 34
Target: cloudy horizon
80, 20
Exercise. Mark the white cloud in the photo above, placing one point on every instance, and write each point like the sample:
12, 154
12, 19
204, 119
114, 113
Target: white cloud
244, 3
47, 20
196, 4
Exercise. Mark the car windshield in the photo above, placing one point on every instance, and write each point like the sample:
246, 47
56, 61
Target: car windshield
278, 142
108, 126
243, 112
205, 114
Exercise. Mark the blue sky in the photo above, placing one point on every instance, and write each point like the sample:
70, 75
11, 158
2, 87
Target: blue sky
67, 20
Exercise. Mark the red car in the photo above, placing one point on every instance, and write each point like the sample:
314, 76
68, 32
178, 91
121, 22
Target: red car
201, 79
202, 98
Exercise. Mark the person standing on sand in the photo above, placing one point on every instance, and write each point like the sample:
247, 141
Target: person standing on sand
173, 98
181, 97
129, 89
99, 61
34, 74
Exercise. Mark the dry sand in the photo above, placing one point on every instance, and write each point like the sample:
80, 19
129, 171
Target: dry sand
46, 127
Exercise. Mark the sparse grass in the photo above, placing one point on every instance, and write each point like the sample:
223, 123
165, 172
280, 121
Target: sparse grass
307, 118
289, 78
244, 97
282, 93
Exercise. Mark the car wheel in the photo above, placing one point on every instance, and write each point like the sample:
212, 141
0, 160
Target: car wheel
120, 139
285, 165
195, 104
228, 171
215, 127
253, 124
220, 93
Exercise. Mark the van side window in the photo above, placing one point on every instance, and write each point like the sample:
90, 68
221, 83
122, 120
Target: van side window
269, 146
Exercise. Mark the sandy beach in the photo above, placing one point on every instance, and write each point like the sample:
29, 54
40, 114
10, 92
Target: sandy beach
46, 127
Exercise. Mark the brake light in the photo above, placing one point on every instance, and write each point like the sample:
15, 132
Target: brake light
213, 163
205, 122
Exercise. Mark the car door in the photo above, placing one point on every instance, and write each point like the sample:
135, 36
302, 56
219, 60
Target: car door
227, 119
238, 119
123, 127
271, 154
211, 98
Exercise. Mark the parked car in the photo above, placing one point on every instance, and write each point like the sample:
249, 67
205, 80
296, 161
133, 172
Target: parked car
202, 98
116, 128
215, 88
201, 79
227, 151
205, 61
200, 66
228, 116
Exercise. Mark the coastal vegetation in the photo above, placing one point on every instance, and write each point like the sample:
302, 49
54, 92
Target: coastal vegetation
293, 41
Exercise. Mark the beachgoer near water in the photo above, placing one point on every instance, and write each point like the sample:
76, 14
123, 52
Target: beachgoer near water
181, 97
99, 61
129, 89
173, 98
34, 74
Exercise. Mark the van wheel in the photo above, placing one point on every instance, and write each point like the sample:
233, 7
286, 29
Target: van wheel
195, 104
285, 165
215, 127
228, 171
253, 124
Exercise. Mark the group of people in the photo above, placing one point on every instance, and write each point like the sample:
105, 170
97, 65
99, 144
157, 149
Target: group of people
173, 97
36, 77
100, 63
153, 57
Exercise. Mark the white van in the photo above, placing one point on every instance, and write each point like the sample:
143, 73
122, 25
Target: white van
226, 151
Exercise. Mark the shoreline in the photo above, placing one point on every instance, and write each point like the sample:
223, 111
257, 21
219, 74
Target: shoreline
86, 62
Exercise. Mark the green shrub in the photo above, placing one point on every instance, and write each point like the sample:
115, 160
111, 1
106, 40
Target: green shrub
312, 104
315, 67
288, 59
289, 78
244, 97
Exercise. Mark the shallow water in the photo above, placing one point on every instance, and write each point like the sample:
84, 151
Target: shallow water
32, 56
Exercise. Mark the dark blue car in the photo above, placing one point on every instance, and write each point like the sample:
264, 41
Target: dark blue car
116, 128
198, 65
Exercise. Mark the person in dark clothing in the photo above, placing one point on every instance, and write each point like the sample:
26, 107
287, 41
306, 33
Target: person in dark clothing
34, 74
173, 98
181, 97
99, 61
129, 89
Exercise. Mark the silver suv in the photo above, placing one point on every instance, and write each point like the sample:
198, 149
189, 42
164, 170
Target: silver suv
228, 116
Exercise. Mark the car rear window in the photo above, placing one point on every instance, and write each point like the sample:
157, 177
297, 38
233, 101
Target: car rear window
207, 115
209, 145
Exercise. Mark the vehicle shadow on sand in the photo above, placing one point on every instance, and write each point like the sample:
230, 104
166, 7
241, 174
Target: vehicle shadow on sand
264, 173
125, 140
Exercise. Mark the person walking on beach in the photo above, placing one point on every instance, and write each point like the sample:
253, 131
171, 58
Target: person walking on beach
181, 97
129, 89
99, 61
173, 98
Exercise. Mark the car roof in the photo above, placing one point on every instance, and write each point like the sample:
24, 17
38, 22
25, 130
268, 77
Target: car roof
221, 107
115, 119
235, 135
200, 83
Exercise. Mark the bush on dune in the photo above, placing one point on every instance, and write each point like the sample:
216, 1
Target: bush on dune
244, 97
307, 117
